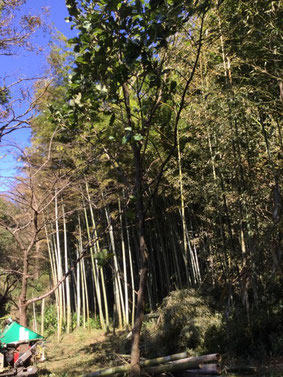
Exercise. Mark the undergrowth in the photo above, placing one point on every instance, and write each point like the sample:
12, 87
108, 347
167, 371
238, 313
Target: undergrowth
185, 321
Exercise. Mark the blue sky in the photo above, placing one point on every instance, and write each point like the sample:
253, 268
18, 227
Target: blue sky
28, 64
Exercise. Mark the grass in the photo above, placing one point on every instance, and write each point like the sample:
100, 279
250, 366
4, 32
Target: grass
85, 351
81, 352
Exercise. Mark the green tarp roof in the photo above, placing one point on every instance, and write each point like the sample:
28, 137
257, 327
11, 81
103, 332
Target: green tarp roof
14, 333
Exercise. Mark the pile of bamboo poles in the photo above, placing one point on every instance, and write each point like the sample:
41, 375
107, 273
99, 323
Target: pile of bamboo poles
204, 365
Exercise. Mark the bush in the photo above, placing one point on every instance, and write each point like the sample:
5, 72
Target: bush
185, 322
261, 335
50, 319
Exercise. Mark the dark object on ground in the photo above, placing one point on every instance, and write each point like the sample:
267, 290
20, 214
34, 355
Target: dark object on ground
18, 350
206, 369
242, 369
171, 363
30, 371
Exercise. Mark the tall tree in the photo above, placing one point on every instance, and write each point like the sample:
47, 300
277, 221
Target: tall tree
16, 30
123, 70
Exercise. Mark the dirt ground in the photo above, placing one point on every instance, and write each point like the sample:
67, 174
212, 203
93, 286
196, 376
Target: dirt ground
85, 351
81, 352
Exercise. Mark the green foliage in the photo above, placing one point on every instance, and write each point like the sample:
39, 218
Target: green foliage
262, 335
128, 42
4, 96
126, 54
94, 323
103, 257
50, 319
186, 322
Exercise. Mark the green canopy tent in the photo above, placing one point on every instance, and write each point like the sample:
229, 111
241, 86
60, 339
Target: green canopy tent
15, 333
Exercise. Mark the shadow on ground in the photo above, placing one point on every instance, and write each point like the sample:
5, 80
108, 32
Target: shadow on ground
82, 352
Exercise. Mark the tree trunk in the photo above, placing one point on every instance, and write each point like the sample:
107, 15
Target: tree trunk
22, 313
23, 295
143, 254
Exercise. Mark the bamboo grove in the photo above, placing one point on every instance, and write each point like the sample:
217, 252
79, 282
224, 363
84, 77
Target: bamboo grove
201, 101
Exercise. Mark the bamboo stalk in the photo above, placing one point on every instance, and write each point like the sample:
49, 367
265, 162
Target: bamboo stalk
194, 374
98, 273
165, 359
59, 269
34, 318
183, 364
95, 271
67, 282
82, 275
42, 316
78, 306
125, 276
131, 273
206, 369
177, 362
117, 278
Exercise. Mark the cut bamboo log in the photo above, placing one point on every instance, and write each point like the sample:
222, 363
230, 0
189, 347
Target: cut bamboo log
206, 369
183, 364
167, 364
195, 374
165, 359
144, 363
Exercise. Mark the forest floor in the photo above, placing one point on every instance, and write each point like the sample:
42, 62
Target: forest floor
81, 352
85, 351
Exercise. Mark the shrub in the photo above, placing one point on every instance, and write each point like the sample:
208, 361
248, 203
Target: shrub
185, 322
50, 319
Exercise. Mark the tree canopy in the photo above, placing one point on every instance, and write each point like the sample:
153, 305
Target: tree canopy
156, 166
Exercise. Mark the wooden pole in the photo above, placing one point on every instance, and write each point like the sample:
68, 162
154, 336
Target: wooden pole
166, 364
206, 369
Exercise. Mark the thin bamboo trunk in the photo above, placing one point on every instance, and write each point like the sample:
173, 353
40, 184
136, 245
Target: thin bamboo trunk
42, 316
162, 250
78, 290
241, 184
184, 226
55, 257
104, 321
176, 260
154, 287
95, 274
82, 275
67, 281
86, 294
34, 318
59, 269
158, 266
131, 273
125, 275
52, 257
119, 294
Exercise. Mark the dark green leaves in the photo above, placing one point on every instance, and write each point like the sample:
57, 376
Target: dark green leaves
133, 51
4, 95
103, 257
72, 7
